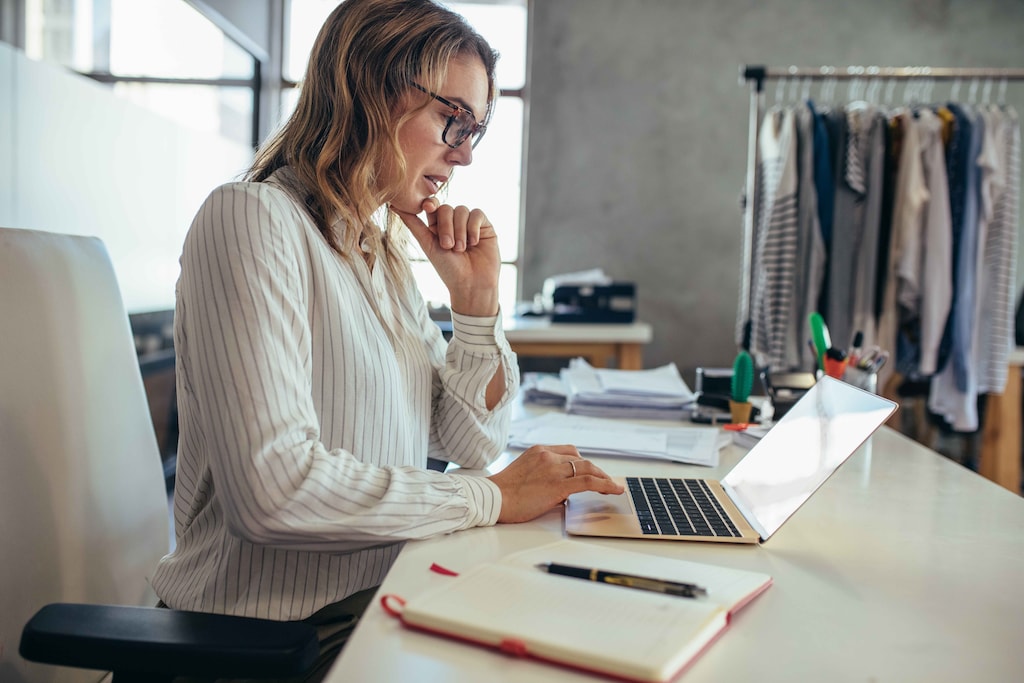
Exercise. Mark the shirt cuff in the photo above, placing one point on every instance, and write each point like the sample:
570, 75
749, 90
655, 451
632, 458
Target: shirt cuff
483, 497
479, 334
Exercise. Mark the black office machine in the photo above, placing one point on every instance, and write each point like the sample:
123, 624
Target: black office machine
592, 303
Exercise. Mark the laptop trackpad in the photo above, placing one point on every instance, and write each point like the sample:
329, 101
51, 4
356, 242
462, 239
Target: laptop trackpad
595, 514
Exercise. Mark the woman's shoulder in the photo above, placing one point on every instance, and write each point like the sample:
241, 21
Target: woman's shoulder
247, 203
267, 193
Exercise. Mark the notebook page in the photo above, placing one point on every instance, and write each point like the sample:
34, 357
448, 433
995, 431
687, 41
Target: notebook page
597, 626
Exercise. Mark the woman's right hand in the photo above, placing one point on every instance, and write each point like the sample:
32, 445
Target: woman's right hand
543, 477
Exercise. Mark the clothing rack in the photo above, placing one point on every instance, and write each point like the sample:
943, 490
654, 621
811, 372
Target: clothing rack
756, 76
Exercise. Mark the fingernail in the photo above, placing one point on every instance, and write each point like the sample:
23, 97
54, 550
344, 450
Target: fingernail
447, 242
460, 246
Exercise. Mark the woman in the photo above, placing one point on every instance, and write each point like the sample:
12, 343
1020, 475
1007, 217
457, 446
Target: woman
312, 384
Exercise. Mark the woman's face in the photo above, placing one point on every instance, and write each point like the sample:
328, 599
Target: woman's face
429, 160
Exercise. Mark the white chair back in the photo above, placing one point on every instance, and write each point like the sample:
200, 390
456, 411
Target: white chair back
83, 512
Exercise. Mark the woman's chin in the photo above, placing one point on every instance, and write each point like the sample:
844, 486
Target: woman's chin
408, 204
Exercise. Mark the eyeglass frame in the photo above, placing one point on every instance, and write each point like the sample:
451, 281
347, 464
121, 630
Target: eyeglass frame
478, 129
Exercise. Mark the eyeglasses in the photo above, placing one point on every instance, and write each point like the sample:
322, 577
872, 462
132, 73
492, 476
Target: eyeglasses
461, 124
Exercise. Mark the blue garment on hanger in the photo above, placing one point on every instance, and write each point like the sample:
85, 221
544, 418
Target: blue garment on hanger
964, 189
824, 184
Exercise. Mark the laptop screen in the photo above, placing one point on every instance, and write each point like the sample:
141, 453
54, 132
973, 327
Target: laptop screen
802, 450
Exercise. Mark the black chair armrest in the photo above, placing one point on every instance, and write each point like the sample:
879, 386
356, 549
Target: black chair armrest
166, 641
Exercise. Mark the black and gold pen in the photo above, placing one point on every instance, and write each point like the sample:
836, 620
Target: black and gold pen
685, 590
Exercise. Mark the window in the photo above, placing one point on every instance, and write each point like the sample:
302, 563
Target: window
163, 55
493, 183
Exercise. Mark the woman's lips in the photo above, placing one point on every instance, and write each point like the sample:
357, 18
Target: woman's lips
436, 181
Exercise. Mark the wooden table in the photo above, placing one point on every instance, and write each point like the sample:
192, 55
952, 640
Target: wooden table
1000, 456
599, 344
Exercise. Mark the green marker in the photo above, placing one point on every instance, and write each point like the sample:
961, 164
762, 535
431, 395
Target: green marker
820, 336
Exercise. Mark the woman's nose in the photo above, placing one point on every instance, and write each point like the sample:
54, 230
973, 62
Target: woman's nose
461, 155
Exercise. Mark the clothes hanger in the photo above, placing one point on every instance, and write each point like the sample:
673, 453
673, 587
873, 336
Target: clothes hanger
780, 90
890, 90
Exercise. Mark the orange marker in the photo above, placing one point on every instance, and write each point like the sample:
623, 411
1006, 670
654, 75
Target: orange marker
835, 362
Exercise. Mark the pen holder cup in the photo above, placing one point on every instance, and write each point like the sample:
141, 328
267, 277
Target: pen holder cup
862, 379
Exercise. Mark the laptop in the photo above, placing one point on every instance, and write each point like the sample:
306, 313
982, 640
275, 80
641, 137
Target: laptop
790, 462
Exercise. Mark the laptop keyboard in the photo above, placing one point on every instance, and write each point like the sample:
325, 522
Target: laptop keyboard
678, 507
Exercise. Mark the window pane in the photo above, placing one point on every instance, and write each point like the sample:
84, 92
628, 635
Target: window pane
305, 18
221, 110
159, 38
504, 27
492, 181
169, 38
434, 291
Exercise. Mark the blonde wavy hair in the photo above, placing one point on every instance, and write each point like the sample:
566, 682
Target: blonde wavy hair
342, 140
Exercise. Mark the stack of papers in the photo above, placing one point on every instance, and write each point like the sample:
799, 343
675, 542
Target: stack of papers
543, 388
658, 393
594, 436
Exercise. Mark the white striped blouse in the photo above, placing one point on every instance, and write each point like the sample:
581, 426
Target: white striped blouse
311, 390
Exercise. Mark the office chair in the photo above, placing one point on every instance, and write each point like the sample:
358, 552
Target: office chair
83, 507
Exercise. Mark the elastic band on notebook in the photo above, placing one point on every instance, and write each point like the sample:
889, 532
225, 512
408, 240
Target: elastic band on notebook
385, 601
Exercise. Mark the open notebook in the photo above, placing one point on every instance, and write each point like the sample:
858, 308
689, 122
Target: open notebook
616, 631
817, 435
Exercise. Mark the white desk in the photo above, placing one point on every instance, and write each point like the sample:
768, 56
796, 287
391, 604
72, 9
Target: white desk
539, 337
937, 597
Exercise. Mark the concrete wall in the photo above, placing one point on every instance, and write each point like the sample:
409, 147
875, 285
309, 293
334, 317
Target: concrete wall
638, 133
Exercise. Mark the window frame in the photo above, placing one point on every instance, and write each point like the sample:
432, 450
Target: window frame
13, 31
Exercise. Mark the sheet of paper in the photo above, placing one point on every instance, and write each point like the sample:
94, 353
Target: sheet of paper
596, 436
607, 439
663, 381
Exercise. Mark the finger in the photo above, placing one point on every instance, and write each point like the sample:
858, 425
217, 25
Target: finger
477, 222
460, 222
444, 227
430, 205
587, 482
572, 467
563, 449
588, 468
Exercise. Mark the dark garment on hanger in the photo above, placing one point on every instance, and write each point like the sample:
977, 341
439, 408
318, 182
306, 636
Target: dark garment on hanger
956, 171
1019, 331
960, 324
824, 184
892, 144
835, 127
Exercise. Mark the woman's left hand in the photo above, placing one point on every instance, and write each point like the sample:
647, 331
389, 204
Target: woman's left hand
463, 248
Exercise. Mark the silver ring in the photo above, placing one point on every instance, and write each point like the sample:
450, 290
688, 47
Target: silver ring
572, 463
